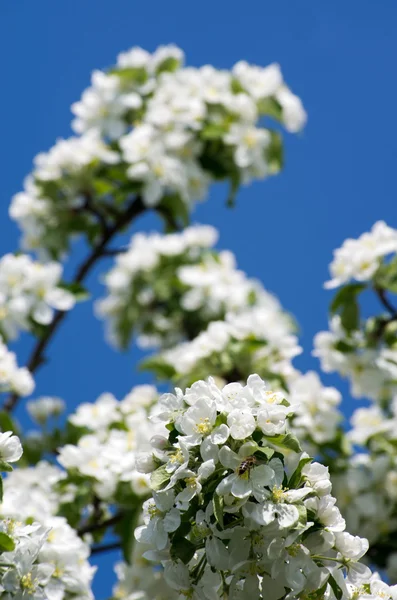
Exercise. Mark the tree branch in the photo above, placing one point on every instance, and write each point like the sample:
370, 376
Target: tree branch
91, 527
105, 548
383, 322
381, 293
37, 357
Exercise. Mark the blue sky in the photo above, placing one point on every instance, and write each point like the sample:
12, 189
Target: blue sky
339, 176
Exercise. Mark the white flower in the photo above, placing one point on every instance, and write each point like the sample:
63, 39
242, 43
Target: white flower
248, 478
10, 447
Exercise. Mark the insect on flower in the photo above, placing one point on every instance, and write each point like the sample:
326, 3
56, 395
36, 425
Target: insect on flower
246, 465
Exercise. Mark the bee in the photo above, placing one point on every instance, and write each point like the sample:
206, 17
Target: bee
246, 465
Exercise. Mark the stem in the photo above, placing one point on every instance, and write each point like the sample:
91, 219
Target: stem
383, 323
96, 526
381, 293
37, 357
105, 548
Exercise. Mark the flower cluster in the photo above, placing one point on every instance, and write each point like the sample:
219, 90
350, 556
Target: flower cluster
12, 377
29, 293
359, 259
316, 420
170, 287
237, 509
259, 338
113, 434
153, 129
46, 561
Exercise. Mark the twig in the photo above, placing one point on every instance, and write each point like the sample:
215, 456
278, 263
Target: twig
381, 293
97, 526
383, 323
37, 356
105, 548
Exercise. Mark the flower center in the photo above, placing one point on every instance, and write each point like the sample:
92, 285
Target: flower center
204, 426
28, 584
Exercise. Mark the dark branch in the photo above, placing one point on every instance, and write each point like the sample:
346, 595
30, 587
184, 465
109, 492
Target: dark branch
37, 357
98, 526
381, 293
105, 548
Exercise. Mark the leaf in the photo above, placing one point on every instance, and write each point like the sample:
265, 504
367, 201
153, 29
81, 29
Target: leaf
213, 131
386, 276
78, 290
296, 477
345, 294
335, 588
161, 369
5, 467
217, 503
271, 108
235, 181
266, 451
174, 208
1, 489
302, 514
350, 316
6, 422
126, 530
159, 478
287, 440
182, 549
275, 153
7, 544
102, 187
345, 302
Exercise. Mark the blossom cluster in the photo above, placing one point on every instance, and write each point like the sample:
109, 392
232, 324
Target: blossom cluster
359, 259
170, 287
47, 561
259, 338
370, 368
237, 509
29, 293
154, 129
12, 377
113, 434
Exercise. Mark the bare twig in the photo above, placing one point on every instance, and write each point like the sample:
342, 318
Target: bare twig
98, 526
105, 548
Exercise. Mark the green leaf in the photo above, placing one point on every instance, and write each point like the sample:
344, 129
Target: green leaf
217, 503
161, 369
343, 347
302, 514
126, 530
335, 588
386, 276
345, 303
275, 152
6, 422
271, 108
345, 294
78, 290
174, 208
350, 316
266, 451
213, 131
235, 181
102, 187
287, 440
182, 549
159, 478
296, 477
1, 489
5, 467
7, 544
